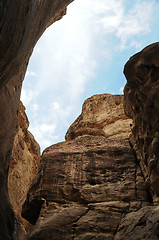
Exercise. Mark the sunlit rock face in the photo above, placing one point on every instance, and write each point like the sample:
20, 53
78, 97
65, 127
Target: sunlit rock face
101, 115
141, 104
24, 163
91, 186
21, 24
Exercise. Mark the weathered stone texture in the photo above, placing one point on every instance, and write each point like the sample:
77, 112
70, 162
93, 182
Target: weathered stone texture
141, 104
21, 24
142, 224
103, 115
89, 187
8, 123
23, 166
92, 173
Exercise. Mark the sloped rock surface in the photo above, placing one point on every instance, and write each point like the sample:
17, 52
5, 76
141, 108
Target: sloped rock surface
23, 167
141, 104
88, 188
142, 224
21, 25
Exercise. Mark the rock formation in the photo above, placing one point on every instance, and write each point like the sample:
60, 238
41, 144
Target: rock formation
141, 104
101, 115
90, 186
95, 185
21, 24
24, 163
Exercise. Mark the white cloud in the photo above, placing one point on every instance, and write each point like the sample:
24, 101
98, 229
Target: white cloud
27, 95
136, 44
69, 50
112, 18
112, 14
121, 90
67, 58
47, 128
60, 109
44, 133
31, 73
135, 22
34, 107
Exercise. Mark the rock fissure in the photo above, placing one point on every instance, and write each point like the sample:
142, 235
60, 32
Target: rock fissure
136, 181
118, 226
149, 195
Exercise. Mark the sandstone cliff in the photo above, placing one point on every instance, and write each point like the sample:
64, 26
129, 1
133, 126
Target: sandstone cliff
90, 186
21, 24
101, 115
99, 187
24, 163
141, 104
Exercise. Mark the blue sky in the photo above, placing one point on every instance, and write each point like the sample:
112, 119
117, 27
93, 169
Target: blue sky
81, 55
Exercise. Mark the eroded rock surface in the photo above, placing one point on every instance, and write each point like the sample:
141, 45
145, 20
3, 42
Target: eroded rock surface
141, 224
141, 104
23, 167
91, 186
21, 25
104, 115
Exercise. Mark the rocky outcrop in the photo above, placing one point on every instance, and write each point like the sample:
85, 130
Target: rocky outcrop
141, 104
21, 24
104, 115
84, 188
24, 163
91, 186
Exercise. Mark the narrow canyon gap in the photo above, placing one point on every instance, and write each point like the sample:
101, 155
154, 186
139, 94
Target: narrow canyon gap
76, 205
21, 25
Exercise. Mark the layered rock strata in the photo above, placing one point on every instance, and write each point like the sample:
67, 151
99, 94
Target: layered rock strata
21, 24
24, 163
141, 104
91, 186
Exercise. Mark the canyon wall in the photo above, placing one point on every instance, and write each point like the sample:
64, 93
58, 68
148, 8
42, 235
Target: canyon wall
21, 24
141, 104
102, 183
95, 185
24, 164
91, 186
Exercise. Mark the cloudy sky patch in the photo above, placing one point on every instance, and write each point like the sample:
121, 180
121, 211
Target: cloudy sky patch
81, 55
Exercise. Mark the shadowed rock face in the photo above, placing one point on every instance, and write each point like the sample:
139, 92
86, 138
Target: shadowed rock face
8, 112
21, 24
141, 104
23, 167
85, 186
91, 186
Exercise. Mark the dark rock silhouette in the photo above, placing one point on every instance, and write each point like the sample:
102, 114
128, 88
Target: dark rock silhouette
141, 104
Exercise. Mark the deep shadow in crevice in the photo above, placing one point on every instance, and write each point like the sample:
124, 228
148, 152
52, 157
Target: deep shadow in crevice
149, 195
32, 212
